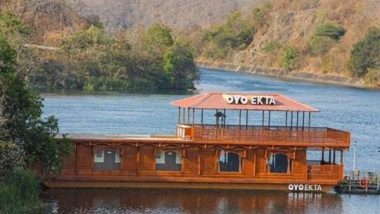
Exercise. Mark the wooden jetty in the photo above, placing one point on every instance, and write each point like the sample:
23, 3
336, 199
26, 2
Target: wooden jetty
357, 182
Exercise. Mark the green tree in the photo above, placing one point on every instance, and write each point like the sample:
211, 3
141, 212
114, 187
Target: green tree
290, 58
179, 68
21, 111
366, 54
235, 33
333, 31
158, 38
7, 55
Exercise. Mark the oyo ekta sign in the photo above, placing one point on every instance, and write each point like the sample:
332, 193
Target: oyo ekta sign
305, 188
253, 100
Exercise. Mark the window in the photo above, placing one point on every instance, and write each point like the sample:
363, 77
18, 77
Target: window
229, 162
107, 159
279, 163
168, 161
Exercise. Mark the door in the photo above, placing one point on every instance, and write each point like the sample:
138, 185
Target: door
109, 159
170, 158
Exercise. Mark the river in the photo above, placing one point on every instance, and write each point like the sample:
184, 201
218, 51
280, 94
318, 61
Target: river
343, 108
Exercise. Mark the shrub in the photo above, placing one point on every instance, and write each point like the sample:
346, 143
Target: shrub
331, 31
234, 33
319, 45
260, 14
19, 192
366, 54
271, 47
11, 157
372, 78
290, 58
7, 55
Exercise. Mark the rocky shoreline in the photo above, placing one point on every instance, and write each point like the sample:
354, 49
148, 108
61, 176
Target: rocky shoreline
330, 79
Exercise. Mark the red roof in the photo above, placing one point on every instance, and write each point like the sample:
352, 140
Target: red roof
220, 100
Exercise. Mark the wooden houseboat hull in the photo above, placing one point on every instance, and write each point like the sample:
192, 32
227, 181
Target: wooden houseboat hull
216, 156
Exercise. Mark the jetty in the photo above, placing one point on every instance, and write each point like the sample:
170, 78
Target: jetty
357, 182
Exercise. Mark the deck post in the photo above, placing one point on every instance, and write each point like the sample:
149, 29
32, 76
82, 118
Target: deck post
224, 118
246, 120
330, 156
262, 122
303, 120
341, 156
193, 115
269, 118
202, 116
323, 154
240, 119
291, 120
188, 115
309, 119
297, 119
334, 157
286, 119
184, 116
216, 118
179, 115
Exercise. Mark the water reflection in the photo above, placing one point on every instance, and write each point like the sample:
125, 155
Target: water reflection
187, 201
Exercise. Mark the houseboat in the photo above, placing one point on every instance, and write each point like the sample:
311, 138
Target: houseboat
244, 140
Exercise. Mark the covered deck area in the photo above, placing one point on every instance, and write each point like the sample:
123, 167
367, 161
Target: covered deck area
260, 119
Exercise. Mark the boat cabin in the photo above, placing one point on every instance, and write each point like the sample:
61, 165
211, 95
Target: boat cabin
222, 141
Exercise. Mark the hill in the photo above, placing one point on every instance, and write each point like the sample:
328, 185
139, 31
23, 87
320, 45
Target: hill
316, 36
180, 14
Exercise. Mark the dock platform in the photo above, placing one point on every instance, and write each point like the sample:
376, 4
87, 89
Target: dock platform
359, 183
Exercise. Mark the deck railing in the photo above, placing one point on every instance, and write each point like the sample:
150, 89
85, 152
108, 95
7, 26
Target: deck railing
265, 134
324, 172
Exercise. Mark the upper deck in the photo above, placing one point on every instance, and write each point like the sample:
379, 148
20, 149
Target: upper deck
268, 136
257, 119
260, 120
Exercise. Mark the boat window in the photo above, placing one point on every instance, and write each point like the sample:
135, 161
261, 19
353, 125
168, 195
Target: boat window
229, 162
107, 159
168, 161
279, 163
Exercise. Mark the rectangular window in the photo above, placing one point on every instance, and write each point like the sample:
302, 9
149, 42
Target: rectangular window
107, 159
169, 161
229, 162
99, 157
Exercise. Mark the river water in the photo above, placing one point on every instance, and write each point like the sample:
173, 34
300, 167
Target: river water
343, 108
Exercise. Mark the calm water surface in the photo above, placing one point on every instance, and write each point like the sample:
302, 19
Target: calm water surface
344, 108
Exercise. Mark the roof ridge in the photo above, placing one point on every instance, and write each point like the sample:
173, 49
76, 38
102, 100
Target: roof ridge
203, 98
298, 102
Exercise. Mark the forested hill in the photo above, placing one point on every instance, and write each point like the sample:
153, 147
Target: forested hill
180, 14
335, 37
106, 44
314, 36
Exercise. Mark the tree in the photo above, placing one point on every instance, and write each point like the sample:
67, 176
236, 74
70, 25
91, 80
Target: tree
7, 55
333, 31
158, 37
290, 58
22, 125
233, 34
179, 68
365, 54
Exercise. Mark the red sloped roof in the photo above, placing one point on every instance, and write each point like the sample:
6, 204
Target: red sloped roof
217, 100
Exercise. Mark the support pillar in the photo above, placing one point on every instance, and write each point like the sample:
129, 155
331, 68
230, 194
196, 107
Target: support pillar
202, 116
179, 115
